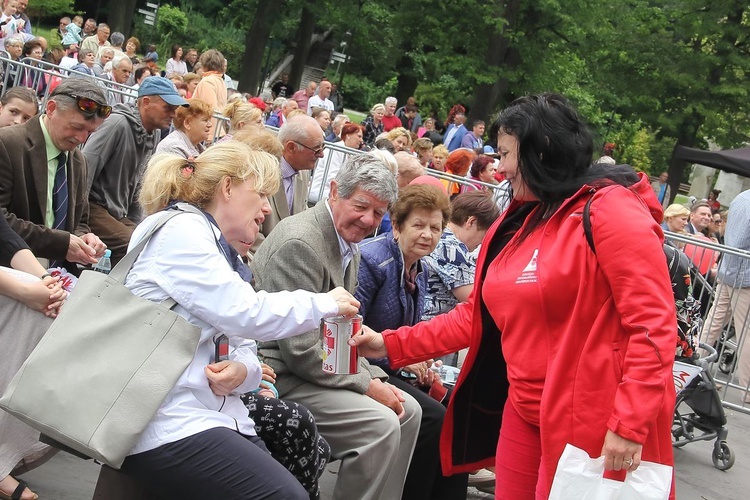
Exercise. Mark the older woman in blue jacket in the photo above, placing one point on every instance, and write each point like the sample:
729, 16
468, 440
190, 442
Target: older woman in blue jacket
391, 290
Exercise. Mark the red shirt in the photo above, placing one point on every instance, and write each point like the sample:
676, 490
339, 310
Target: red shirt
391, 122
514, 272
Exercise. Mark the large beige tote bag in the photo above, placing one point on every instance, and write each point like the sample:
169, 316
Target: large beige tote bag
104, 367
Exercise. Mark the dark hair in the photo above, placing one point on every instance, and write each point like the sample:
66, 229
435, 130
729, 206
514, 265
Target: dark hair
410, 108
479, 165
420, 196
175, 48
384, 143
555, 150
478, 203
139, 72
31, 45
477, 122
700, 204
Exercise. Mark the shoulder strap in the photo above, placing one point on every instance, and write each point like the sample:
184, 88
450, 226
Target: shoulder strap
587, 224
122, 268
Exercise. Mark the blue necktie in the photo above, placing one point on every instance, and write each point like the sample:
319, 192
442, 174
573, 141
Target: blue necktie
60, 195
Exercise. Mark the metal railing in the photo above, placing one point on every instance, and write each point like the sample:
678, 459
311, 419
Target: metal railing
725, 311
38, 74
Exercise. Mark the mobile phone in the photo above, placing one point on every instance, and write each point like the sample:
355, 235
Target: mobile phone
221, 348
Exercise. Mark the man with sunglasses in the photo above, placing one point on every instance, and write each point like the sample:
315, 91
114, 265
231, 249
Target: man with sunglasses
117, 155
303, 142
43, 192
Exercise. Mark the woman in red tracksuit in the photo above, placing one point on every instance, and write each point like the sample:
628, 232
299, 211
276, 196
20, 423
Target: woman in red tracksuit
565, 345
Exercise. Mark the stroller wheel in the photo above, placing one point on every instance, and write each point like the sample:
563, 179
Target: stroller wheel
722, 456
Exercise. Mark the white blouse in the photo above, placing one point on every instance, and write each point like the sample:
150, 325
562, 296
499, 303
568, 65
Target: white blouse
183, 261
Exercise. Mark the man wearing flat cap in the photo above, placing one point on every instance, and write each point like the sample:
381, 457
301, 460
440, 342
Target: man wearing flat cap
117, 155
43, 193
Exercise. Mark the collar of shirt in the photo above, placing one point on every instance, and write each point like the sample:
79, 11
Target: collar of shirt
348, 250
287, 171
52, 151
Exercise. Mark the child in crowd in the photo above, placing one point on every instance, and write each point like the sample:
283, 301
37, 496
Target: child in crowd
17, 106
72, 37
8, 24
78, 21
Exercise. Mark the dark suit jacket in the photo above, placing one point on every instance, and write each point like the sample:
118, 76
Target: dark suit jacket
303, 253
280, 207
24, 188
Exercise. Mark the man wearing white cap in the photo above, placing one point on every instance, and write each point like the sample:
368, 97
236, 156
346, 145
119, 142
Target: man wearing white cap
117, 155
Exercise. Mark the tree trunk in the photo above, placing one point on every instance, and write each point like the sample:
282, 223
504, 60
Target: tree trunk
500, 54
121, 16
407, 80
305, 32
255, 43
688, 135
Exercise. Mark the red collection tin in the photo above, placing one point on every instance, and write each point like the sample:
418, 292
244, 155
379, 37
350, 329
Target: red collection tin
338, 356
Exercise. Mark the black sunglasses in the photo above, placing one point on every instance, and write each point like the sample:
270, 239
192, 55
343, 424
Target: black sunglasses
90, 106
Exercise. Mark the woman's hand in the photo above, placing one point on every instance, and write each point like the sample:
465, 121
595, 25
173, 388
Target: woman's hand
348, 305
268, 375
45, 296
225, 376
620, 453
369, 343
425, 376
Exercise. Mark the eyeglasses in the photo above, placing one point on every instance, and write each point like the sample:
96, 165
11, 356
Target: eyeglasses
90, 106
316, 151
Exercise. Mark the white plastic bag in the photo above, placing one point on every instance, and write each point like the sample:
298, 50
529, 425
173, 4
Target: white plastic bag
579, 477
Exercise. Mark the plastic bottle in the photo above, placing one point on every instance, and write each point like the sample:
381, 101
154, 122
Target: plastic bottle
104, 265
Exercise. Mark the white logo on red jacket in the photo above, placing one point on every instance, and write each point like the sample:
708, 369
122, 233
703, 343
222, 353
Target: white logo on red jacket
528, 275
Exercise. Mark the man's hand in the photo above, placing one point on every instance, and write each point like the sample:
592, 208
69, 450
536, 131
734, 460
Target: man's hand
348, 305
388, 395
225, 376
369, 343
94, 242
79, 251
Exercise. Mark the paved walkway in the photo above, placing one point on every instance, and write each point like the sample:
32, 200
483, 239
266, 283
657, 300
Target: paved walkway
68, 478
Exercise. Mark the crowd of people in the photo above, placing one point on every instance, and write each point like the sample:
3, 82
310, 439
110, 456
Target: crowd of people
279, 230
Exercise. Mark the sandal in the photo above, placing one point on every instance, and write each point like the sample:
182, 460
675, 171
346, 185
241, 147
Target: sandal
16, 495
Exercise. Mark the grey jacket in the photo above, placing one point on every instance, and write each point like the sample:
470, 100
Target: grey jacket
303, 252
117, 154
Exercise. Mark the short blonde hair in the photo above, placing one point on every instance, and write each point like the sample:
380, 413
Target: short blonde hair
295, 112
675, 210
440, 151
397, 132
170, 177
190, 77
196, 109
260, 139
377, 107
241, 112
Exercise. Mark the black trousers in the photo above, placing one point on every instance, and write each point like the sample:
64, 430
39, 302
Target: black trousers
217, 463
425, 479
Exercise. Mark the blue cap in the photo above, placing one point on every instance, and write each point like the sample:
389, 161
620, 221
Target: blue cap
164, 88
489, 150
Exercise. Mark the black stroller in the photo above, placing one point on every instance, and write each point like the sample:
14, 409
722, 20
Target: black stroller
693, 381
